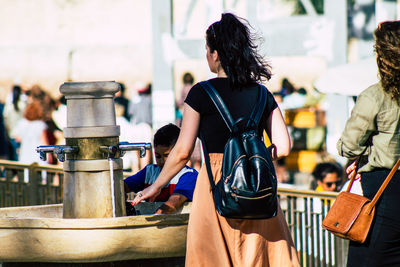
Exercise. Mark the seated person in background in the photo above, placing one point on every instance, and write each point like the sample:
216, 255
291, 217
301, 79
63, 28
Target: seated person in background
327, 177
181, 187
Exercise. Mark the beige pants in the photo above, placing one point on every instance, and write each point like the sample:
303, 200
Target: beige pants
214, 240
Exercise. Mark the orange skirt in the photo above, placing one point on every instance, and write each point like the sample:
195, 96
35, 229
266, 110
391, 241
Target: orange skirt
213, 240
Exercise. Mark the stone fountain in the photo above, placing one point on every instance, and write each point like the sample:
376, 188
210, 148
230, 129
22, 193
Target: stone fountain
91, 225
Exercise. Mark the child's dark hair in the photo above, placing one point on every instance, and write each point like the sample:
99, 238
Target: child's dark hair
322, 169
236, 50
166, 135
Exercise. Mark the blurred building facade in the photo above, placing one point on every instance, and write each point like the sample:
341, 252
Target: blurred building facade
52, 41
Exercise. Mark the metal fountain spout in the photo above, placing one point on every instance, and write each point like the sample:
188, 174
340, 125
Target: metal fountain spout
59, 150
119, 150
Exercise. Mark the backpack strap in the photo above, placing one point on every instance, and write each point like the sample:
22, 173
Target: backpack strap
208, 163
227, 117
258, 110
219, 104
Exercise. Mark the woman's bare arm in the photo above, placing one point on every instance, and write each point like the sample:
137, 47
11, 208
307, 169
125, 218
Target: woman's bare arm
279, 135
178, 157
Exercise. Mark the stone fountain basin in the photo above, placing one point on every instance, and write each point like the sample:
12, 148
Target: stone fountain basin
40, 234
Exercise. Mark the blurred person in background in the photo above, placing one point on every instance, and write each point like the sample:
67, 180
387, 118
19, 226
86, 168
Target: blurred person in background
122, 100
327, 177
188, 81
286, 87
30, 131
127, 130
38, 95
35, 93
5, 145
52, 131
140, 111
59, 115
296, 99
140, 107
13, 113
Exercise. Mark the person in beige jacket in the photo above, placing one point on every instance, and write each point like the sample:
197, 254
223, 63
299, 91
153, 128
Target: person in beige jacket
373, 130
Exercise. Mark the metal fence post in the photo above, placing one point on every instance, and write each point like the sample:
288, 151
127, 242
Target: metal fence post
33, 187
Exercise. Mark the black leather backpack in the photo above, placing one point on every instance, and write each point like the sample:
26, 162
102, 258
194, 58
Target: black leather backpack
248, 186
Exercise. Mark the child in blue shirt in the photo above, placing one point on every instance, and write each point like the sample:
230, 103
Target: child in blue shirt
181, 187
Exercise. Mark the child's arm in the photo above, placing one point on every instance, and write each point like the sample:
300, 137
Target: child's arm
183, 191
135, 182
174, 202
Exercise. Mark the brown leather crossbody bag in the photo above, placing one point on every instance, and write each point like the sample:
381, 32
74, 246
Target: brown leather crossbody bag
351, 215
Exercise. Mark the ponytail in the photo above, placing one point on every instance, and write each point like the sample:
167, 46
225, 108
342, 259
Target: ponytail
237, 51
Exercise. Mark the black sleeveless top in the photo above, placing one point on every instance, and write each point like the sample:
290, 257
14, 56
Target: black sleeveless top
240, 103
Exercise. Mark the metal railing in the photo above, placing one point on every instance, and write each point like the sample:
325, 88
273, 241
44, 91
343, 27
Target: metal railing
304, 210
23, 184
30, 184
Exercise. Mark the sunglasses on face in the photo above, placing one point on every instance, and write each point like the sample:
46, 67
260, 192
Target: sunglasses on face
337, 183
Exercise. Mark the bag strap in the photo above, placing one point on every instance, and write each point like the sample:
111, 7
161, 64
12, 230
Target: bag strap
259, 109
226, 116
381, 189
352, 178
385, 183
208, 163
219, 104
223, 110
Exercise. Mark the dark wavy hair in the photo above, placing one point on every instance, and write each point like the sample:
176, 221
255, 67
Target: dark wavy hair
387, 47
232, 39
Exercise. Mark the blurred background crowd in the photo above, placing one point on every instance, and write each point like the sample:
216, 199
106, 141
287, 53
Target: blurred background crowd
30, 117
321, 52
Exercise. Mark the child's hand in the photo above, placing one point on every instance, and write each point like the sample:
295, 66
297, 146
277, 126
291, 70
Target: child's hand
149, 193
352, 170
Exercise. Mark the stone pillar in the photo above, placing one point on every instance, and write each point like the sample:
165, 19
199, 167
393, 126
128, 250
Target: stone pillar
91, 123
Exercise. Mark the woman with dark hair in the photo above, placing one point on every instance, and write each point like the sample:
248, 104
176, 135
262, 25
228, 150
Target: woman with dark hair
214, 240
373, 130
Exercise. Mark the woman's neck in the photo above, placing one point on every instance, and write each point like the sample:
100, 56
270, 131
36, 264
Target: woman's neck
221, 73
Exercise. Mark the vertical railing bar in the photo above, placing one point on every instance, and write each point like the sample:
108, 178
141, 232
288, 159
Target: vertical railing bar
33, 184
313, 225
301, 233
320, 234
330, 249
306, 231
324, 237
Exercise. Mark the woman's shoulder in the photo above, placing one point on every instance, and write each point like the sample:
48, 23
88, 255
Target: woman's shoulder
374, 91
375, 95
